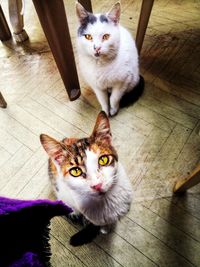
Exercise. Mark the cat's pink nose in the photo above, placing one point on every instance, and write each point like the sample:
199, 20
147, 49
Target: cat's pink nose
97, 48
97, 187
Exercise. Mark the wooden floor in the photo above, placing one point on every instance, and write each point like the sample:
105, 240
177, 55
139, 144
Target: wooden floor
158, 138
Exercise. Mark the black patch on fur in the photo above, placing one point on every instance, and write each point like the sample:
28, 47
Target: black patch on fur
85, 236
103, 18
132, 96
89, 19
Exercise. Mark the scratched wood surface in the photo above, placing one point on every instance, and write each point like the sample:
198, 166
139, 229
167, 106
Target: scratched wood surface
158, 138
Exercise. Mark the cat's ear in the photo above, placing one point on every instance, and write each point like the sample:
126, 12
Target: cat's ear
54, 148
81, 13
114, 13
102, 131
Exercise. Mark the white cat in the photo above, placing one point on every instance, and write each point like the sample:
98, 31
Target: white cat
108, 56
87, 176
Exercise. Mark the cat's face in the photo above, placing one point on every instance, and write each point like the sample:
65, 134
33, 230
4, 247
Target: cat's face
87, 165
98, 35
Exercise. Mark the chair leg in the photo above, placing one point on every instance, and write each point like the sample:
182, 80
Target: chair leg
189, 181
17, 21
87, 5
54, 23
143, 22
5, 33
3, 103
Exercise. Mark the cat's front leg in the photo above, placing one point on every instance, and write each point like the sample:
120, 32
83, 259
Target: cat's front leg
102, 96
116, 95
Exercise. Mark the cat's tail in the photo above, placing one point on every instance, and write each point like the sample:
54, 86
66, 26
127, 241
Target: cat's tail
132, 96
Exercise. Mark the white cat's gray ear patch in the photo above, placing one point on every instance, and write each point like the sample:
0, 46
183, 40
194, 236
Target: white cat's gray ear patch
81, 13
114, 13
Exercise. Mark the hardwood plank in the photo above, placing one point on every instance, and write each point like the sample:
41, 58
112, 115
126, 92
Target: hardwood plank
90, 255
5, 155
155, 178
188, 203
18, 131
173, 101
8, 142
137, 124
183, 93
45, 115
3, 179
61, 256
35, 184
169, 112
124, 251
185, 246
176, 216
141, 161
16, 161
152, 117
15, 184
35, 125
186, 161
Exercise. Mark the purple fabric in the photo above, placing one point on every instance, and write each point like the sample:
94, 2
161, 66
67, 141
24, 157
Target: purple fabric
28, 259
24, 231
8, 205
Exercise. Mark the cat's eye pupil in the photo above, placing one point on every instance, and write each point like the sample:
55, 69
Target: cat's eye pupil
88, 36
106, 36
103, 160
75, 171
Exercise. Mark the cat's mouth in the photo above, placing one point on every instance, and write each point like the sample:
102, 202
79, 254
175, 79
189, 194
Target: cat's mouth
97, 54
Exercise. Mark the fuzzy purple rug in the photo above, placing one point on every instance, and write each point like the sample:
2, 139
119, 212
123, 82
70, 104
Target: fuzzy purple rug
24, 231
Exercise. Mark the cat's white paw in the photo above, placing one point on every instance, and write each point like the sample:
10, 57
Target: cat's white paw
113, 111
106, 229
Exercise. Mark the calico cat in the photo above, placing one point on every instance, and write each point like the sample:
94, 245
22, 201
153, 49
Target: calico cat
87, 175
108, 57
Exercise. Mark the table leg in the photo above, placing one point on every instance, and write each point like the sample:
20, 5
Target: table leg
191, 180
17, 21
5, 33
3, 103
53, 19
143, 22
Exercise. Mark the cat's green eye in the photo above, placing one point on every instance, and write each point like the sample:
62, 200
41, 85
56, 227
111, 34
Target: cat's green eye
104, 160
76, 171
106, 36
88, 37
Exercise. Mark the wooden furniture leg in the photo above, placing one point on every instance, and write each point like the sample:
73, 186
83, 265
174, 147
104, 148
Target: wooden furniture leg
5, 33
17, 21
143, 22
86, 4
191, 180
54, 23
3, 103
